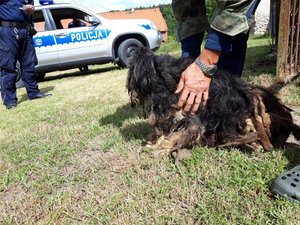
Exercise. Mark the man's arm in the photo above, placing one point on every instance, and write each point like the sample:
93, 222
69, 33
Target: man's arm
194, 84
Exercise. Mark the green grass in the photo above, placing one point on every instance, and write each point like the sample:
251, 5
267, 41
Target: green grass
76, 158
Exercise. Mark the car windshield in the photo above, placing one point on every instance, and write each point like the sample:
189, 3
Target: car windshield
70, 18
63, 18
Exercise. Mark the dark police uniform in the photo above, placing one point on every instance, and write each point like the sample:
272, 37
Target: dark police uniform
16, 44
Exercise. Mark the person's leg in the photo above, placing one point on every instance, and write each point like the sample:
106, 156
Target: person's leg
191, 46
28, 60
234, 60
8, 88
8, 58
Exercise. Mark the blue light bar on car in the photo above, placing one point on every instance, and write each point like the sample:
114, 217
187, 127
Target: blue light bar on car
46, 2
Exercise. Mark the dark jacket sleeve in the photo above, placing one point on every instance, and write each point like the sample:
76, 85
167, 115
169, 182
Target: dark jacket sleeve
230, 16
230, 20
190, 16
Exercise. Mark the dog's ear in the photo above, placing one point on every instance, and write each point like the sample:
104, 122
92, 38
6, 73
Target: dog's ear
138, 53
134, 56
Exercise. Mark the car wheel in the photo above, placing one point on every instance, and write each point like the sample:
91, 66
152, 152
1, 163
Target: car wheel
84, 69
125, 49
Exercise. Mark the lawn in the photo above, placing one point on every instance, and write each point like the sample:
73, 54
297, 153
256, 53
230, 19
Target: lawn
77, 158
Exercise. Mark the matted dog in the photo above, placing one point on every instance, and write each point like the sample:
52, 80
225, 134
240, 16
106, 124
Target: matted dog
237, 114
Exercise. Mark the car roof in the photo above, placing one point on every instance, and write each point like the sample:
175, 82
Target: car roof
64, 5
56, 5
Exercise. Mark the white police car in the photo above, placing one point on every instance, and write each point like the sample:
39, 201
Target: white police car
99, 41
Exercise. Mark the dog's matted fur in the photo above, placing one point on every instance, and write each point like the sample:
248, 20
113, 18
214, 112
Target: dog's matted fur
237, 114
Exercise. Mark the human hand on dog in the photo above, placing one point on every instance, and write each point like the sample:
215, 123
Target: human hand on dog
194, 84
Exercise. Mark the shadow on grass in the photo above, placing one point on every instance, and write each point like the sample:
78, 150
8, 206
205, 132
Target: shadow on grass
43, 90
276, 87
260, 60
79, 73
120, 115
292, 153
134, 130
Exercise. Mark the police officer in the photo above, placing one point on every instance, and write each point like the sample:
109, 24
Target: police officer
76, 23
16, 44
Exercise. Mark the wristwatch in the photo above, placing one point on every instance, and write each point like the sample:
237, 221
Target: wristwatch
208, 70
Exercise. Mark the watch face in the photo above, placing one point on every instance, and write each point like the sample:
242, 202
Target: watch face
212, 70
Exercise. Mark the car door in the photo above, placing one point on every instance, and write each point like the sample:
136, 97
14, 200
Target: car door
78, 43
44, 42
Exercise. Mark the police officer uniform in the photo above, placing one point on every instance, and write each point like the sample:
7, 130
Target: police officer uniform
16, 44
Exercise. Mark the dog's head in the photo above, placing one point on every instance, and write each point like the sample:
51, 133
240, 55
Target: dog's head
140, 74
151, 74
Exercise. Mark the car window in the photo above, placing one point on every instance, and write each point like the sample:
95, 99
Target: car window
73, 23
69, 18
39, 21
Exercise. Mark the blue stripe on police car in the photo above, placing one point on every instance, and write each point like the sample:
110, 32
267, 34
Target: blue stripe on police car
80, 36
73, 37
43, 41
146, 26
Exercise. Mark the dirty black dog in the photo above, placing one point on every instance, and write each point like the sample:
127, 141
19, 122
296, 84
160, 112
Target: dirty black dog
237, 114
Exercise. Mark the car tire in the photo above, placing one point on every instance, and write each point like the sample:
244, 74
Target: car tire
125, 49
84, 69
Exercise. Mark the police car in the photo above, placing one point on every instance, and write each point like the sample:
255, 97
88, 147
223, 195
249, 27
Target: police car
99, 41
